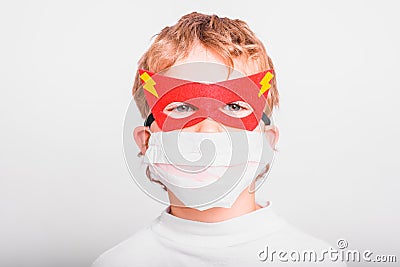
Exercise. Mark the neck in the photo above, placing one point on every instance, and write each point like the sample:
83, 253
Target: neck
244, 204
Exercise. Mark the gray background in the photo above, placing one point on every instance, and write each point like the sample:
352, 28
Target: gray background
66, 74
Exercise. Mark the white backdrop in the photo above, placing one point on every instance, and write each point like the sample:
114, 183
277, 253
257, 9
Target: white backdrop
67, 70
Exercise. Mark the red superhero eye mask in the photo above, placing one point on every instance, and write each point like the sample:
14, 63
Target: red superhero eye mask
177, 103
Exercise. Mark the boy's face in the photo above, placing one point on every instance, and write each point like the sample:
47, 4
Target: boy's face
200, 54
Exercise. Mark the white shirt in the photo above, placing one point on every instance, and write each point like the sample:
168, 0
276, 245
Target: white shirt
241, 241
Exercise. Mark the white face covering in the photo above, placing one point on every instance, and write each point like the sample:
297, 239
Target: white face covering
206, 170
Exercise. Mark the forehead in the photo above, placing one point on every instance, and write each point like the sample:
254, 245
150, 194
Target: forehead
204, 65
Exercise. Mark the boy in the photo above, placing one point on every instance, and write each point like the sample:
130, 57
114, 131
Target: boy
205, 224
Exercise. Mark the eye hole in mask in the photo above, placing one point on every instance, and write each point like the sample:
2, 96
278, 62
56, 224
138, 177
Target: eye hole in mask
178, 110
237, 109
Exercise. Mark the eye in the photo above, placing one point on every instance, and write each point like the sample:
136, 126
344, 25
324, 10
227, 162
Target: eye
237, 109
184, 108
233, 107
179, 110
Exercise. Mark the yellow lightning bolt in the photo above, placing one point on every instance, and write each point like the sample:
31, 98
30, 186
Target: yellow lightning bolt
149, 83
265, 83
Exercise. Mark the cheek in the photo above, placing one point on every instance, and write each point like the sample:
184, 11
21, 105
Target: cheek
260, 127
154, 127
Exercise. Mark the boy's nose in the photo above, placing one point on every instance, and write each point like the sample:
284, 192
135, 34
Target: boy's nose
208, 126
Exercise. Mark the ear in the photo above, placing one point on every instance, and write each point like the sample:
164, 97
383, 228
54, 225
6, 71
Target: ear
141, 134
272, 133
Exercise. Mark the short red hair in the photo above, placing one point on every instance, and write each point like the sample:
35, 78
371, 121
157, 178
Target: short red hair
228, 38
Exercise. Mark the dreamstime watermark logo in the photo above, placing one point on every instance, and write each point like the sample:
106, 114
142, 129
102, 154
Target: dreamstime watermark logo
339, 254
